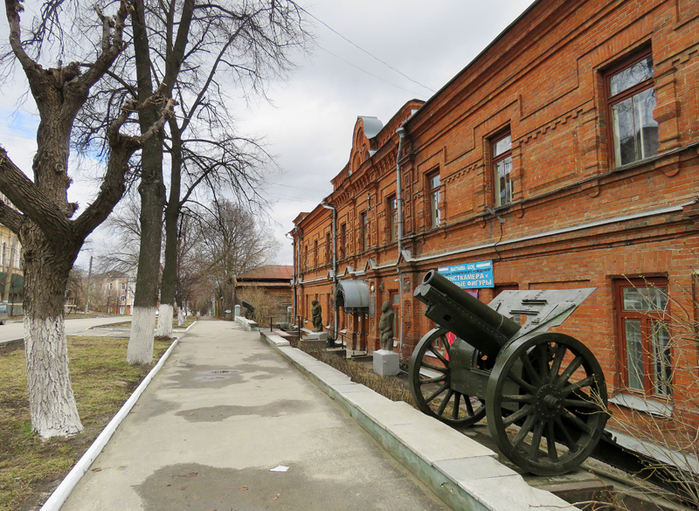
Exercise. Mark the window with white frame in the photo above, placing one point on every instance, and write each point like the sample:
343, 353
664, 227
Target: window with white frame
435, 196
502, 169
645, 348
631, 100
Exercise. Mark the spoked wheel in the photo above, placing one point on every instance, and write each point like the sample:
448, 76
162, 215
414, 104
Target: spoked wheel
430, 383
546, 402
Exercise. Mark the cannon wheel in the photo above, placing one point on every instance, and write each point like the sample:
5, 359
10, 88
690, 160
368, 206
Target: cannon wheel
560, 404
430, 383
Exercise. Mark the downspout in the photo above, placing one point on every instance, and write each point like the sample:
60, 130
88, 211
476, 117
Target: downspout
293, 276
335, 313
399, 204
299, 236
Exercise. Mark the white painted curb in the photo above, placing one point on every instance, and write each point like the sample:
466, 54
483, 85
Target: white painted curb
60, 494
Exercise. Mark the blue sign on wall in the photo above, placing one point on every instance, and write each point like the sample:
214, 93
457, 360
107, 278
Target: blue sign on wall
470, 275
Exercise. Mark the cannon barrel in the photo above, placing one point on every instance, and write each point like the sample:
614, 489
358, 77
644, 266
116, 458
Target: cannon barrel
464, 315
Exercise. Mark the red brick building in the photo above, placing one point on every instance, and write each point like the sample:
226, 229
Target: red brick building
273, 279
566, 155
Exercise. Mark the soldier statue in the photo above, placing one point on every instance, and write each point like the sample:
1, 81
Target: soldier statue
386, 326
317, 312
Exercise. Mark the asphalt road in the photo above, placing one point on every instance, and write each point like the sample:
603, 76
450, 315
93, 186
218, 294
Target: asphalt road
14, 329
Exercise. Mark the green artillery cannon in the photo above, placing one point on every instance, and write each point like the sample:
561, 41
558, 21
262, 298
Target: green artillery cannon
543, 393
249, 309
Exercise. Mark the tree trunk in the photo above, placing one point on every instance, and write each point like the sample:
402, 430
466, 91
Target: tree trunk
172, 214
52, 404
140, 350
166, 313
180, 315
152, 191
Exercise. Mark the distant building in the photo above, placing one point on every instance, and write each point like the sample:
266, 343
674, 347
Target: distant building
112, 293
10, 262
275, 280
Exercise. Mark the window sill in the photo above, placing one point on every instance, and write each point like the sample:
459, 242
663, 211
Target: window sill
642, 404
660, 452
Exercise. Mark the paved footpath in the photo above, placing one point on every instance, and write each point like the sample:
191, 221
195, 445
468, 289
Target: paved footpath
226, 409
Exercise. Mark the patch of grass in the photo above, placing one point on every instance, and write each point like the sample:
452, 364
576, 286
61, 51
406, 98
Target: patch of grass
102, 381
127, 324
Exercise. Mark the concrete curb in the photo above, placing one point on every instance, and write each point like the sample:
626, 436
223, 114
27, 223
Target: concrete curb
60, 494
248, 324
463, 473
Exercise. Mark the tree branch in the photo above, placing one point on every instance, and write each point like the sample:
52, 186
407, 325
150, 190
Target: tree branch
10, 218
27, 197
122, 148
12, 10
112, 44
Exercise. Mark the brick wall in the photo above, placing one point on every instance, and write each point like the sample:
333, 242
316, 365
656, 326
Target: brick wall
576, 218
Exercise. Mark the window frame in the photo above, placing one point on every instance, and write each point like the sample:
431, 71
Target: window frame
342, 241
646, 318
434, 194
633, 91
328, 248
315, 253
364, 231
392, 218
495, 159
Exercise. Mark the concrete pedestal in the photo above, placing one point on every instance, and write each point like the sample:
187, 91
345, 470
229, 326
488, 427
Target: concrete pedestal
317, 336
386, 363
315, 341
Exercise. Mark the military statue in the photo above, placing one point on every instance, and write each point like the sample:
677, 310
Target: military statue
317, 312
386, 326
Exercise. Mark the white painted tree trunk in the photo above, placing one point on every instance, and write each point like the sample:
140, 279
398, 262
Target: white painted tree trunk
165, 314
180, 316
140, 349
51, 401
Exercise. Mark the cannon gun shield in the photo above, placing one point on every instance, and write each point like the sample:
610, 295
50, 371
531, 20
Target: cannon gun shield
555, 418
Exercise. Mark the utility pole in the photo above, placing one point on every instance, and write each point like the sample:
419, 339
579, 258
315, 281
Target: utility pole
89, 275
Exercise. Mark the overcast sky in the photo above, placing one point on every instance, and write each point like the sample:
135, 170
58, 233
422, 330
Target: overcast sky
308, 127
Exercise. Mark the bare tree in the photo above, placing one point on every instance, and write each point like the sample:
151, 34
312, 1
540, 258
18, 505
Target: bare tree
124, 227
197, 51
234, 242
248, 43
50, 237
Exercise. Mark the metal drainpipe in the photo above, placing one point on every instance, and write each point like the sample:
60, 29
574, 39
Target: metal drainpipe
294, 274
299, 236
399, 204
335, 317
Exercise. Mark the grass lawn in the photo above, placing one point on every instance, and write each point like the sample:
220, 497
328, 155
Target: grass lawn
127, 324
30, 468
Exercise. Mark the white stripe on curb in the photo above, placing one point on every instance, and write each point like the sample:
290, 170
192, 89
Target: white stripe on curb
60, 494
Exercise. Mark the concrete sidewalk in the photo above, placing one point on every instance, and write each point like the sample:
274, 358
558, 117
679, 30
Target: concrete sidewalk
223, 412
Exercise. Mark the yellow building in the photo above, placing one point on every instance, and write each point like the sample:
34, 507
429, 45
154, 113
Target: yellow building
10, 263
